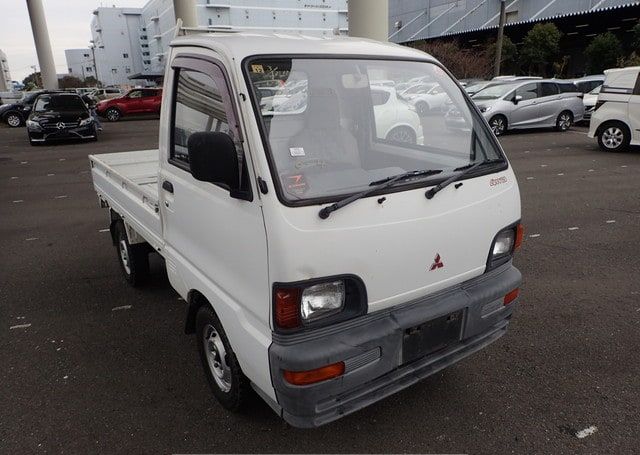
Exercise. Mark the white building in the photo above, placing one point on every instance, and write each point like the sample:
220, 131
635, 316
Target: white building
80, 63
5, 77
132, 42
116, 35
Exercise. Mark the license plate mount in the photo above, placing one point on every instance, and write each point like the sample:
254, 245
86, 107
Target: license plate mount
431, 336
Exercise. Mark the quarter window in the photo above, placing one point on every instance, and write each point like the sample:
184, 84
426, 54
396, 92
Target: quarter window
199, 107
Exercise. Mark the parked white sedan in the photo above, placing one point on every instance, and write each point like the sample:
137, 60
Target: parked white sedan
396, 119
427, 98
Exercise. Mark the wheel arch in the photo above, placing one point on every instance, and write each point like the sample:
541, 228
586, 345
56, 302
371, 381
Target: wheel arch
196, 300
611, 121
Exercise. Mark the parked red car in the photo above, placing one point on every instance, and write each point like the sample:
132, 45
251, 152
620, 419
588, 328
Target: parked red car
136, 101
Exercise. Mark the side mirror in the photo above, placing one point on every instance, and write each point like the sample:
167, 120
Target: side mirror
213, 158
517, 99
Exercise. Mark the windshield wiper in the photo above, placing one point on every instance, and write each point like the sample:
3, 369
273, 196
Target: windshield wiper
461, 172
375, 186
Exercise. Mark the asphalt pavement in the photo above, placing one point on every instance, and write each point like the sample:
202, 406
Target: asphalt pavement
91, 365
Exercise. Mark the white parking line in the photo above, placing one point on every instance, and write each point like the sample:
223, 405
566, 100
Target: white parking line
611, 221
586, 432
61, 196
591, 170
561, 174
31, 239
19, 326
531, 178
533, 236
574, 228
62, 159
18, 201
14, 178
123, 307
50, 175
103, 230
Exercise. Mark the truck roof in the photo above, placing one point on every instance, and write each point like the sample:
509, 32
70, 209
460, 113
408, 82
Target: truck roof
239, 45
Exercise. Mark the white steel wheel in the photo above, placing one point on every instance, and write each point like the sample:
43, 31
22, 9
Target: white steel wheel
124, 256
217, 358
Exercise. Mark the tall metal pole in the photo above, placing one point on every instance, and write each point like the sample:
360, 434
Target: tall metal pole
503, 19
369, 19
186, 10
95, 67
43, 45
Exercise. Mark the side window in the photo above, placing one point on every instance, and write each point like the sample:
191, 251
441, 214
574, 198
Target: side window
548, 89
199, 107
149, 93
379, 97
135, 94
527, 92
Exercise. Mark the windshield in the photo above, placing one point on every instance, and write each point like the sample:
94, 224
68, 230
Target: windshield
59, 103
333, 126
596, 90
494, 92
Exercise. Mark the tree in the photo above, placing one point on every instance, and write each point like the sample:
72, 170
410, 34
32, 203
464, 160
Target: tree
91, 81
540, 48
509, 62
636, 38
603, 52
70, 82
33, 80
463, 63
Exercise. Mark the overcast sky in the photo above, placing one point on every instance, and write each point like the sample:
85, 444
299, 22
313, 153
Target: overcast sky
68, 23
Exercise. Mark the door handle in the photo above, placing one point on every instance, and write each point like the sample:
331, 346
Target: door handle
167, 186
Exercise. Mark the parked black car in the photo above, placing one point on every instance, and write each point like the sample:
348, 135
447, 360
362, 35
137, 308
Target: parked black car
57, 116
15, 114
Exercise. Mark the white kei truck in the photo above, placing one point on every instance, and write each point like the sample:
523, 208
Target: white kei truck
330, 254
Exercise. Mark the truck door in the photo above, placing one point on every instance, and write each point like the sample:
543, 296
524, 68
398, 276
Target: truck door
214, 243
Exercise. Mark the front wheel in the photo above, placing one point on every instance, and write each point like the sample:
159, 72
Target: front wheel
564, 121
229, 385
13, 120
498, 124
614, 137
112, 114
422, 108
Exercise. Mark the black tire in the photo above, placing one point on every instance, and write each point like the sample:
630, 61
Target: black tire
135, 266
34, 143
13, 119
614, 137
234, 395
112, 114
564, 121
95, 134
498, 124
402, 134
422, 108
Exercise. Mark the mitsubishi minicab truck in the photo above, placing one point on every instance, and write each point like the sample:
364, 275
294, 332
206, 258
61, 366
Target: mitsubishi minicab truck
333, 246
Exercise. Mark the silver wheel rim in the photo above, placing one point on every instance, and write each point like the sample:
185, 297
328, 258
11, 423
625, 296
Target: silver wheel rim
124, 256
217, 358
612, 137
565, 122
401, 135
112, 115
13, 120
497, 125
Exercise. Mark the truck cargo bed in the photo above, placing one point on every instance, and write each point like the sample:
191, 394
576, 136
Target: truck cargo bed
128, 183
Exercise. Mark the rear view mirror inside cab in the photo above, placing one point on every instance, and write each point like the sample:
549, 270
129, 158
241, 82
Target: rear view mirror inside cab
355, 81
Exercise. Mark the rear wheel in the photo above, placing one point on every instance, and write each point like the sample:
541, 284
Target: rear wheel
564, 121
614, 137
402, 134
13, 120
229, 385
134, 259
498, 124
112, 114
422, 108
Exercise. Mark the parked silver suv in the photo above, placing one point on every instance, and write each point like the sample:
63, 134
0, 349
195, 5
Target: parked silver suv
530, 104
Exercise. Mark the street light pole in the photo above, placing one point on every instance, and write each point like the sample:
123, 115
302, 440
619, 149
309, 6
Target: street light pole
43, 45
95, 67
503, 18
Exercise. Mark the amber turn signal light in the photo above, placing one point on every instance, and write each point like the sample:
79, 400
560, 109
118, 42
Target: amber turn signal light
511, 296
312, 376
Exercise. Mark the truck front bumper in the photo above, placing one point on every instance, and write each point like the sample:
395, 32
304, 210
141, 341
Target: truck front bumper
372, 349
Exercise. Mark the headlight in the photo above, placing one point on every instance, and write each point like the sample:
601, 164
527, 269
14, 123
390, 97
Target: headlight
321, 300
33, 125
86, 121
484, 109
314, 303
504, 245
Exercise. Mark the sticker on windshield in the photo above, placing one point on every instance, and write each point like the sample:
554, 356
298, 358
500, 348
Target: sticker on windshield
257, 69
296, 151
295, 184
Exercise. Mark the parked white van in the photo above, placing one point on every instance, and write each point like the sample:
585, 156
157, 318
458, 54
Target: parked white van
325, 265
615, 120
